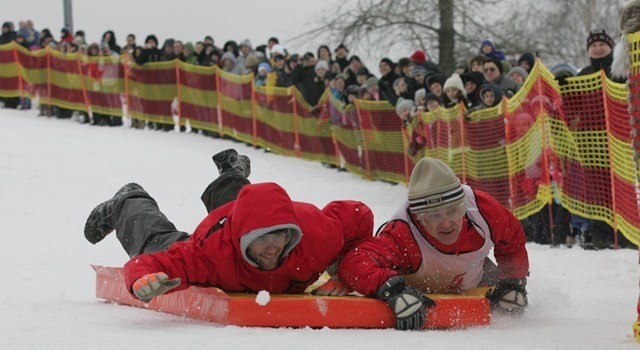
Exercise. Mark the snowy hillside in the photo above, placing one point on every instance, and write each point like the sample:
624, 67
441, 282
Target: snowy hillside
53, 172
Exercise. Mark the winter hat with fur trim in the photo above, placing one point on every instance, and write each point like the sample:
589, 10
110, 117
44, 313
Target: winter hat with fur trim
599, 35
456, 82
432, 186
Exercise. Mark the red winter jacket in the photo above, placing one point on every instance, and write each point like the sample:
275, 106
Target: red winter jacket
394, 251
213, 257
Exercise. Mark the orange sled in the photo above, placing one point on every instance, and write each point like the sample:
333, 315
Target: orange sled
303, 310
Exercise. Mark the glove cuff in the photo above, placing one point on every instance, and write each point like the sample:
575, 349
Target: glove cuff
522, 282
391, 287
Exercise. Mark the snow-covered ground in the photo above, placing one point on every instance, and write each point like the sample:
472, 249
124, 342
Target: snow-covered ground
53, 172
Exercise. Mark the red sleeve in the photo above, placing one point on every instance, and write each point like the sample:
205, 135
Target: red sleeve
507, 235
356, 220
182, 260
393, 252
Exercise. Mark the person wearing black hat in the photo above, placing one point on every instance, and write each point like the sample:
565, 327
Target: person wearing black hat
597, 234
600, 50
435, 82
341, 58
283, 75
387, 77
351, 72
472, 82
493, 73
439, 241
526, 61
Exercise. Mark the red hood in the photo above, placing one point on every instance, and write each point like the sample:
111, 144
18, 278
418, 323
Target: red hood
260, 209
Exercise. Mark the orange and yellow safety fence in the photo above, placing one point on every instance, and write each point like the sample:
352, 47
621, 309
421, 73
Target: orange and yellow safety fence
571, 142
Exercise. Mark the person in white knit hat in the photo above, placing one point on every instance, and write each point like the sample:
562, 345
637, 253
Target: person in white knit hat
454, 91
439, 242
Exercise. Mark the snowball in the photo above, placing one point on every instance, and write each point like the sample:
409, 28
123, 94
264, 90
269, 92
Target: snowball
263, 298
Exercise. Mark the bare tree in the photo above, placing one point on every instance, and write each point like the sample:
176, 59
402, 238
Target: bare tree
451, 30
556, 30
387, 25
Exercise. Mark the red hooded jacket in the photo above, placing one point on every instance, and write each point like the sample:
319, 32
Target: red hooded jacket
213, 257
395, 251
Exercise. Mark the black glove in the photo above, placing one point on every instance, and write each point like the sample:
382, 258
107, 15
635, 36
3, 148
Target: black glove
407, 303
509, 295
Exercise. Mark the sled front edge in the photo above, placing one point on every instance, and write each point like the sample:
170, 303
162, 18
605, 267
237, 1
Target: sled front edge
303, 310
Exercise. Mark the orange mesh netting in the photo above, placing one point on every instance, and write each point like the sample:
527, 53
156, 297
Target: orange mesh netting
573, 142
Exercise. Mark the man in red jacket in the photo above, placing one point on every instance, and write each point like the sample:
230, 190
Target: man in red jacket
261, 240
438, 242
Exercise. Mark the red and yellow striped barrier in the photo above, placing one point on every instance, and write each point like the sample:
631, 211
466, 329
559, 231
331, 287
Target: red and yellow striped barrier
572, 142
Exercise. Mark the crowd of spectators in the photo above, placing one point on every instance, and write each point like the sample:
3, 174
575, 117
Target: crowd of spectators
412, 84
487, 74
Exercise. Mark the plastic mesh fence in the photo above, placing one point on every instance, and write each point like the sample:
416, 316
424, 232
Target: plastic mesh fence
573, 142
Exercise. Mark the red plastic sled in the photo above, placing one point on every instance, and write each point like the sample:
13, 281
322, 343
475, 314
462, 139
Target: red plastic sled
304, 310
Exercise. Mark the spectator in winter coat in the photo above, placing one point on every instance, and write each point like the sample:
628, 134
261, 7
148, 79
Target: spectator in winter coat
439, 242
401, 89
8, 35
109, 37
150, 52
178, 46
341, 58
309, 78
600, 49
362, 75
33, 37
260, 78
372, 89
526, 61
188, 54
493, 73
420, 99
324, 54
454, 92
254, 238
387, 77
472, 82
420, 58
231, 46
476, 64
519, 75
351, 72
283, 75
130, 47
405, 67
490, 95
433, 102
418, 76
228, 62
167, 51
488, 50
338, 89
20, 40
65, 35
246, 49
435, 84
405, 109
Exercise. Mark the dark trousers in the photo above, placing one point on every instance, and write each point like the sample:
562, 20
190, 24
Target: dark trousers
142, 228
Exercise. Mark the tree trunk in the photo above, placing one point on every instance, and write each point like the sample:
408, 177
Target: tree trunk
446, 41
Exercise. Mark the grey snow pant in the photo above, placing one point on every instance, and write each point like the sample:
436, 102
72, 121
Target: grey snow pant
142, 228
